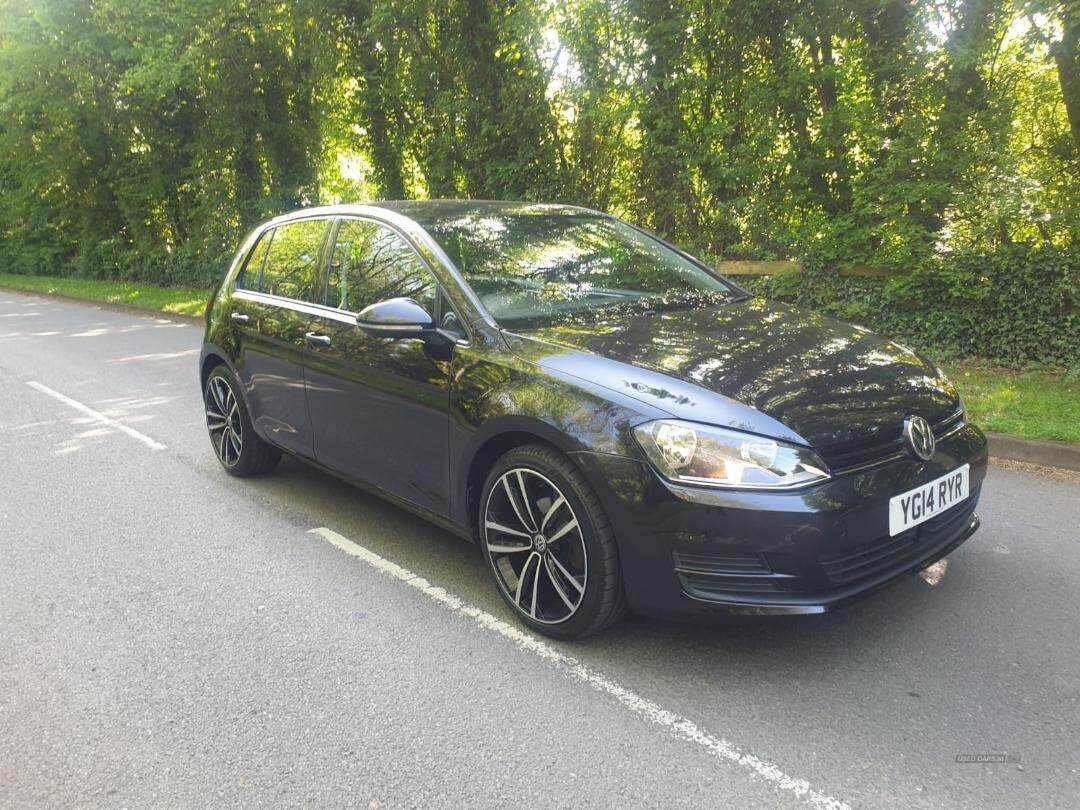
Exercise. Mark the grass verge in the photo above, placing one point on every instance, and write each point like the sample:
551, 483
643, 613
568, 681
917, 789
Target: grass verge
1032, 404
174, 300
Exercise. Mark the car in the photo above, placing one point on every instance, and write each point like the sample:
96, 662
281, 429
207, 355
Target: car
616, 425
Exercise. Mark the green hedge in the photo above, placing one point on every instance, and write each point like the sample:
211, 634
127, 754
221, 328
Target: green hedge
1016, 306
108, 260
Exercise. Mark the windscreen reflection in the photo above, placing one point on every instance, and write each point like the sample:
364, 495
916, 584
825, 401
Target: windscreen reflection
533, 269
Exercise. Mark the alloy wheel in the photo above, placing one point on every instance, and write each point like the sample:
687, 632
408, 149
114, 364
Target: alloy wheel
223, 421
535, 544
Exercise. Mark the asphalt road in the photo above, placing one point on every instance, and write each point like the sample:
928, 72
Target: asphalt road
172, 636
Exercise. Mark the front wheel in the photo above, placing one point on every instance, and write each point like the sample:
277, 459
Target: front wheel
239, 450
549, 545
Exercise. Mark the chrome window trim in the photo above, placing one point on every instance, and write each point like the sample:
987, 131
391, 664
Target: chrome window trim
317, 310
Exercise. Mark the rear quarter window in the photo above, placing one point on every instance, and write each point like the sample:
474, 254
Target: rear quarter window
248, 278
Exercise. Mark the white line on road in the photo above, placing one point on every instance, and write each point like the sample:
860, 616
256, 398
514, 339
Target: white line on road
654, 713
96, 416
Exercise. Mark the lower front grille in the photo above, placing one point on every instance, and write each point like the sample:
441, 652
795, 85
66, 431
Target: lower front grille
708, 574
716, 564
871, 559
706, 586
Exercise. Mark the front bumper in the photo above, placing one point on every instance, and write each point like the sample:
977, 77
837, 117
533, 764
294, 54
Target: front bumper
691, 551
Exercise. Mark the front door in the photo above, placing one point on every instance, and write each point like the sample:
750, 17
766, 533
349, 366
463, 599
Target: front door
379, 407
269, 320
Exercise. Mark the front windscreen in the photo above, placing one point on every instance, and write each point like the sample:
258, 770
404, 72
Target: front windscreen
536, 269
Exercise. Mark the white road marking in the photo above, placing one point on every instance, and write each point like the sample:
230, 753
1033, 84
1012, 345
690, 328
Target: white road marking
653, 712
96, 416
157, 356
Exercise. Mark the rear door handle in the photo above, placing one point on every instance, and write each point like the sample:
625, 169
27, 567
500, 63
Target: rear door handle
238, 317
315, 339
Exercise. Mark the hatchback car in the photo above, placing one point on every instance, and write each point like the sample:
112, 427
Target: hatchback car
618, 426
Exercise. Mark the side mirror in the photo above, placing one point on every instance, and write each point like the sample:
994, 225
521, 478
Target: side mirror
396, 318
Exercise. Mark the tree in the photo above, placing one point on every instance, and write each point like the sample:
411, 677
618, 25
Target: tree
141, 140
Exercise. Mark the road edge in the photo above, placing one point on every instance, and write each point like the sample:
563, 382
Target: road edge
1034, 451
93, 302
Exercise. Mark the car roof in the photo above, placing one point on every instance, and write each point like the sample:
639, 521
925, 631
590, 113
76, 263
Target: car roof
427, 213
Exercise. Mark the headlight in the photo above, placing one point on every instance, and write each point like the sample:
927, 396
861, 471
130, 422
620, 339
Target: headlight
689, 453
961, 407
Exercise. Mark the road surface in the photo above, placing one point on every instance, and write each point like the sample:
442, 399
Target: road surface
173, 636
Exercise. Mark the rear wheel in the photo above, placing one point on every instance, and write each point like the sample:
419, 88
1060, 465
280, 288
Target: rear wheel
549, 545
239, 450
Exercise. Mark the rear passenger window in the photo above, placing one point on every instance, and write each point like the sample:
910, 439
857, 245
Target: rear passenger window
292, 266
249, 276
371, 263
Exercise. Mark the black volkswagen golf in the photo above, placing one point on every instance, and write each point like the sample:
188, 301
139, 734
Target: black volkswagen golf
616, 425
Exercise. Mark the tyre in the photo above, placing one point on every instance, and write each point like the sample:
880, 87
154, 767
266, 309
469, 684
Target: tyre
549, 544
236, 446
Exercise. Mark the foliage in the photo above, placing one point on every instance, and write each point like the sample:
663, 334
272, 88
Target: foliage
139, 140
1017, 305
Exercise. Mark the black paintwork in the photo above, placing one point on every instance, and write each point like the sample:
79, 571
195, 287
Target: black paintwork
419, 419
268, 357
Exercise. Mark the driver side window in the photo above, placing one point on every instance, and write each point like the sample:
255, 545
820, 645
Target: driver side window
371, 263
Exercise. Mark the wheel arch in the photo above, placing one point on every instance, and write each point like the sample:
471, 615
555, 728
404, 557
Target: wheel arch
210, 358
489, 446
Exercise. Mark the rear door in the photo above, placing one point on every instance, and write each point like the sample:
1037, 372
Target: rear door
379, 407
272, 306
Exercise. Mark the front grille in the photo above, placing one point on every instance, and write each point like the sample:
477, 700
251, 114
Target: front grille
951, 423
864, 452
708, 574
871, 559
882, 447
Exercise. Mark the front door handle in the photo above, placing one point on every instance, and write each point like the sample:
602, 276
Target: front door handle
239, 317
315, 339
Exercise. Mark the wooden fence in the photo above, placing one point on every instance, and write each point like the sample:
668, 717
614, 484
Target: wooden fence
772, 268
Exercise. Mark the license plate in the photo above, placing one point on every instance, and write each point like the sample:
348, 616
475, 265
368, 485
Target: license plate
922, 503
